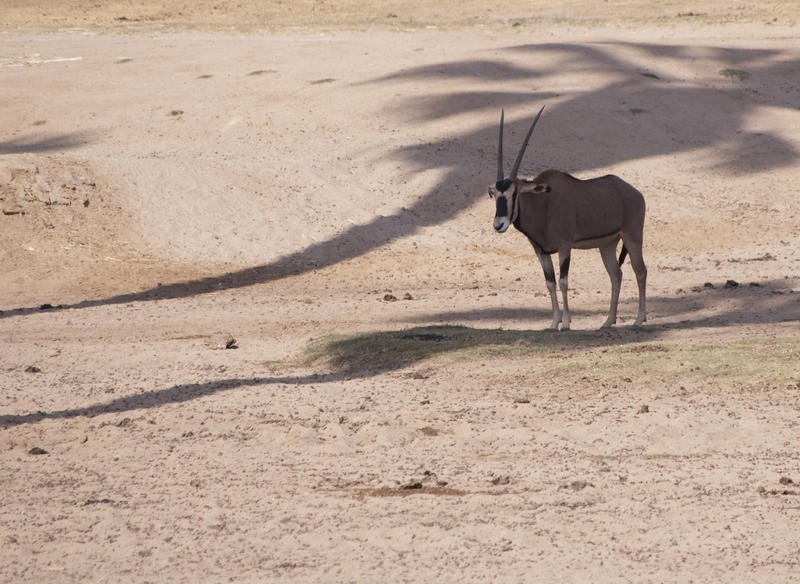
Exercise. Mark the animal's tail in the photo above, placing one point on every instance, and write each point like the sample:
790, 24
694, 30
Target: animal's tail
622, 254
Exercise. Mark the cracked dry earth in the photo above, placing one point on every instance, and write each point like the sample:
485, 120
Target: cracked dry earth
256, 325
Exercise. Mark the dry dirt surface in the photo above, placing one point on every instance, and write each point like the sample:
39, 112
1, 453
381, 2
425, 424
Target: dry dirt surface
255, 324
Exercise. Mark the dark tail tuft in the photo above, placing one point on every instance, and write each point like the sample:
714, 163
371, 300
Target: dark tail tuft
622, 254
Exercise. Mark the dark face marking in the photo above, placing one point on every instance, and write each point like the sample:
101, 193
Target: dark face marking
502, 207
503, 185
505, 195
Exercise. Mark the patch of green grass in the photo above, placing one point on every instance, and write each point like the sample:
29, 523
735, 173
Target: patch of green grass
736, 74
176, 112
124, 60
322, 81
439, 345
39, 122
206, 76
749, 360
261, 72
619, 352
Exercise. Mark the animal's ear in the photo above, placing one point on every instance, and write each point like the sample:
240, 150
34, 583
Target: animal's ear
541, 188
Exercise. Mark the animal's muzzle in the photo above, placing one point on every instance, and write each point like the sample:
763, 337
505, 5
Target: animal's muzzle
501, 224
502, 221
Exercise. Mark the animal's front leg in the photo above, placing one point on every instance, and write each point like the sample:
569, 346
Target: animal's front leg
550, 279
563, 283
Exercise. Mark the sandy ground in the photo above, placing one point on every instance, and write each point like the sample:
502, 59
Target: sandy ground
165, 183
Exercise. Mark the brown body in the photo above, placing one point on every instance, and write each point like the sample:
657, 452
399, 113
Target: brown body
567, 212
558, 212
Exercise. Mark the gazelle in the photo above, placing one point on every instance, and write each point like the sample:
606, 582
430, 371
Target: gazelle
558, 212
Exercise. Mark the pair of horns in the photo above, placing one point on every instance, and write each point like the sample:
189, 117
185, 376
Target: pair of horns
518, 161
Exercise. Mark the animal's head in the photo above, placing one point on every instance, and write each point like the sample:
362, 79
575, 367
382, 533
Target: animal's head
504, 190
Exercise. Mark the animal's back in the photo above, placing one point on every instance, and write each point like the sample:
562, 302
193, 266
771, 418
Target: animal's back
602, 206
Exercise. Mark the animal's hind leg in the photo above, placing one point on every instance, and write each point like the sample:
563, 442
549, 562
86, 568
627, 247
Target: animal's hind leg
609, 254
637, 263
550, 279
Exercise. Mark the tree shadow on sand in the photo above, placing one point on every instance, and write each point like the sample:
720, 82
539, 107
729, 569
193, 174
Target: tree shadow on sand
359, 356
707, 306
40, 144
625, 127
342, 358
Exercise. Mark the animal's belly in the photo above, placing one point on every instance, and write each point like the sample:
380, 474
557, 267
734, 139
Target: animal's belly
599, 241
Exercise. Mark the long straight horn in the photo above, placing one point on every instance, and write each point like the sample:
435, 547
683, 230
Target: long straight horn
500, 176
517, 162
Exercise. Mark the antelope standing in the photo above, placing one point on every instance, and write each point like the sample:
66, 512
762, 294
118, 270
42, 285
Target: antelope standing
558, 212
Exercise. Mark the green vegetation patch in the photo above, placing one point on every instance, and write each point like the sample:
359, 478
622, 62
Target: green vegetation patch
752, 361
736, 74
440, 345
619, 352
